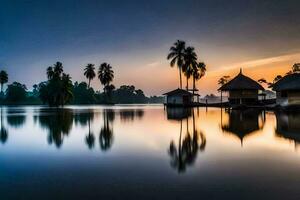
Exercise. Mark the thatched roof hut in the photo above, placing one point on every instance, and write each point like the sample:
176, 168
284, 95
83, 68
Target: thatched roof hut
242, 90
288, 90
241, 82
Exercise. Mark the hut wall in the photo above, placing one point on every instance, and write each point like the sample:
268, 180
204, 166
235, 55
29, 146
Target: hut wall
244, 94
175, 99
281, 98
294, 97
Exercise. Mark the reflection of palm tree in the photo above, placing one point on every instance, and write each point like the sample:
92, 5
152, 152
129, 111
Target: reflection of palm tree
90, 138
106, 133
16, 118
58, 123
188, 148
3, 131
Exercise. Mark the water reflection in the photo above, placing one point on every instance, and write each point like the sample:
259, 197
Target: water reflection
288, 126
83, 118
86, 119
3, 130
58, 122
178, 113
127, 115
106, 132
16, 117
243, 123
189, 143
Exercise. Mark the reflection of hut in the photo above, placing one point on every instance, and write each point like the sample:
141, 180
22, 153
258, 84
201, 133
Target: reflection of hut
178, 113
242, 90
242, 123
178, 97
288, 126
288, 90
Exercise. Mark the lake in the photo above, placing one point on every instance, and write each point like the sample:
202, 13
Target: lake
148, 152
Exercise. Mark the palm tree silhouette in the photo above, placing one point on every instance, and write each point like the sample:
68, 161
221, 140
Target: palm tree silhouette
105, 75
198, 73
3, 79
89, 72
58, 69
222, 81
67, 86
176, 54
50, 72
190, 63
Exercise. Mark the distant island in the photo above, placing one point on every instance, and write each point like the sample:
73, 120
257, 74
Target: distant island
59, 90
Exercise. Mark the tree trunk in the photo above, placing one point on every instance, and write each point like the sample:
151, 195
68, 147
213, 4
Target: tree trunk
193, 86
221, 98
180, 78
187, 84
89, 82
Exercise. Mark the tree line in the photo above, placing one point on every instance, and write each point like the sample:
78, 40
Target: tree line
59, 90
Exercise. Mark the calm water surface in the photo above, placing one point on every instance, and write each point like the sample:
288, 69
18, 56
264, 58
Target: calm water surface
146, 152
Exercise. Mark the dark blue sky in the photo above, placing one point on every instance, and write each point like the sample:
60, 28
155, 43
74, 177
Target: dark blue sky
132, 35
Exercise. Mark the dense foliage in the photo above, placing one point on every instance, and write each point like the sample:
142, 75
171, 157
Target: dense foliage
58, 90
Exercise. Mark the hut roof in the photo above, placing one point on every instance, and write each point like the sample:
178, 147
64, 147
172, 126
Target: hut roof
289, 82
179, 92
241, 82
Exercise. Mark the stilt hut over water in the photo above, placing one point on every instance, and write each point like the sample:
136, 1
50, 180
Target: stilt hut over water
242, 90
288, 90
178, 97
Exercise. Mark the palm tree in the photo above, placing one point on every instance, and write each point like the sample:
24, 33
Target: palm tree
222, 81
50, 72
89, 72
176, 55
190, 63
66, 92
3, 79
198, 73
58, 69
105, 75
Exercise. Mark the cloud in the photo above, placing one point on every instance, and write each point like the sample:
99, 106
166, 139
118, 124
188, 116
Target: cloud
153, 64
260, 62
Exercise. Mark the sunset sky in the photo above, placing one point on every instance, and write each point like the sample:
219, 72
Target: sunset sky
262, 37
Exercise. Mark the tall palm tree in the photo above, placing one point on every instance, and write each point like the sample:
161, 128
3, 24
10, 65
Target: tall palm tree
89, 72
66, 92
50, 72
105, 75
3, 79
176, 55
198, 73
190, 63
58, 69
